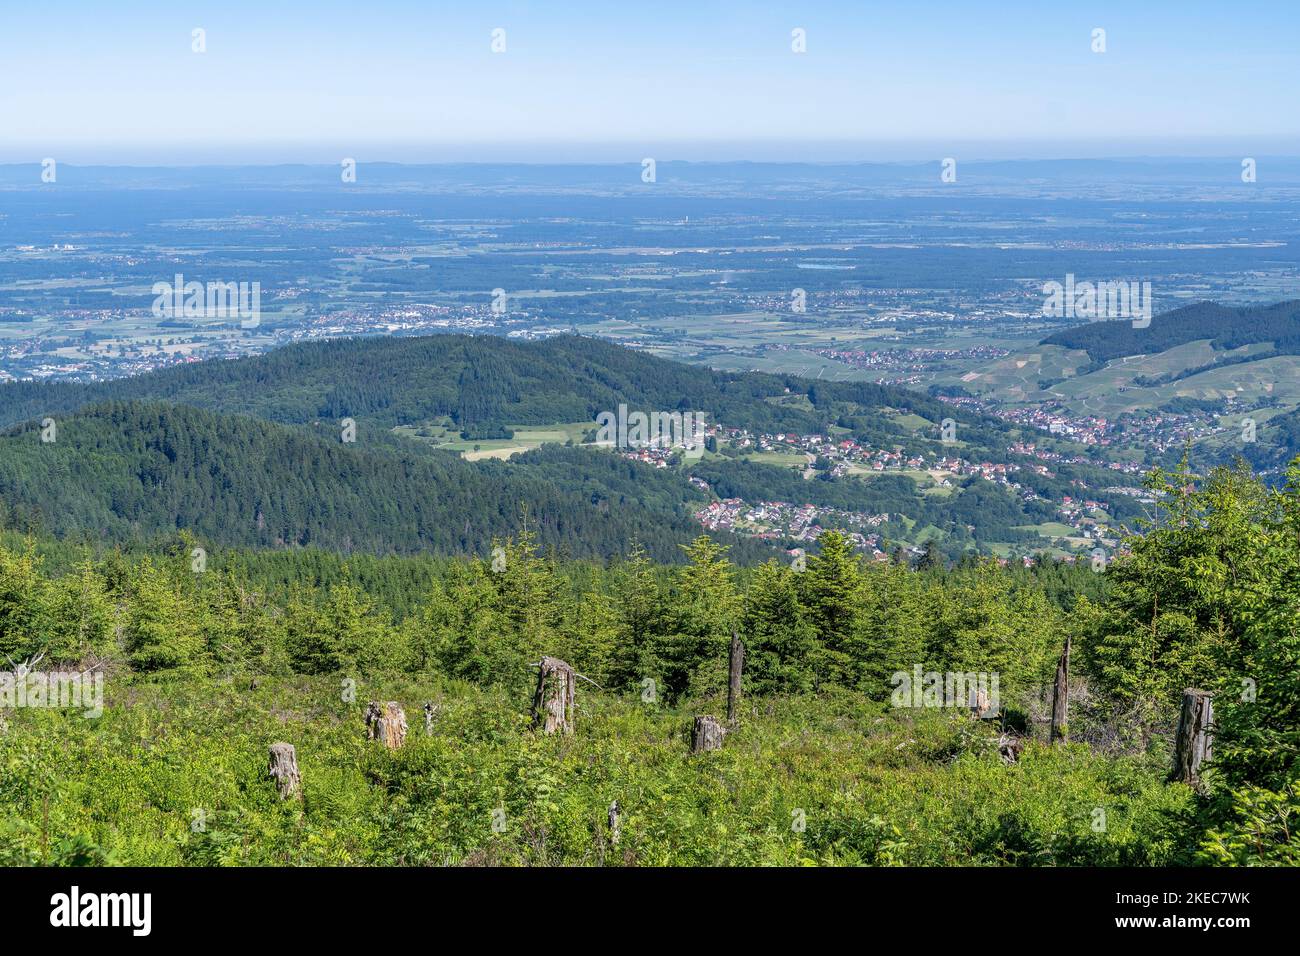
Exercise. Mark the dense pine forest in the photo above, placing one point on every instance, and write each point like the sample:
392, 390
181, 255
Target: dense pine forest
132, 470
208, 659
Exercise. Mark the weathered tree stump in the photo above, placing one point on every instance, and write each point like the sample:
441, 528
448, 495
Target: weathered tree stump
284, 771
1194, 744
430, 711
707, 734
615, 824
735, 668
387, 724
1061, 697
553, 702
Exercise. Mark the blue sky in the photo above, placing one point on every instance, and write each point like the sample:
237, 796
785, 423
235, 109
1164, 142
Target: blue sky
284, 81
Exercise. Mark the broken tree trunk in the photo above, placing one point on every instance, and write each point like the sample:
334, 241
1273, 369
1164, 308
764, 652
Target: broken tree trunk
387, 724
615, 824
430, 709
706, 734
284, 771
553, 702
1195, 741
736, 667
1061, 697
1010, 748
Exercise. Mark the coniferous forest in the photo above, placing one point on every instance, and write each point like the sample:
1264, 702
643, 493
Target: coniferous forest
830, 756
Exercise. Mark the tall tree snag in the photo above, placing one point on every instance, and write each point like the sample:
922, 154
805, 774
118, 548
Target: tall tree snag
387, 724
1061, 696
707, 734
1195, 741
283, 770
735, 668
553, 702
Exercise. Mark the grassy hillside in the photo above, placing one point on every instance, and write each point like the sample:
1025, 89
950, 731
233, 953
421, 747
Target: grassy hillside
1226, 363
1224, 327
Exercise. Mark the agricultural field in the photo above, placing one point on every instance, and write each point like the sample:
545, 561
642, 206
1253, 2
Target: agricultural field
526, 437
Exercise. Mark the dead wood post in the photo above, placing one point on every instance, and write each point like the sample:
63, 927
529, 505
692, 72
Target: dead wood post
387, 724
553, 702
1061, 697
430, 709
735, 667
284, 771
706, 734
1195, 740
615, 824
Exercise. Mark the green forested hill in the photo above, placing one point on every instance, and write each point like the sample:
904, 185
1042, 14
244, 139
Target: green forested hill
247, 452
1225, 327
479, 382
124, 470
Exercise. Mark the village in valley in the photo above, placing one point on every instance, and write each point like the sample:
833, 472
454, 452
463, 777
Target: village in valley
1085, 523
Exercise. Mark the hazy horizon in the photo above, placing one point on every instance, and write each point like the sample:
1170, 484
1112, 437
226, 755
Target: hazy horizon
410, 82
614, 154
